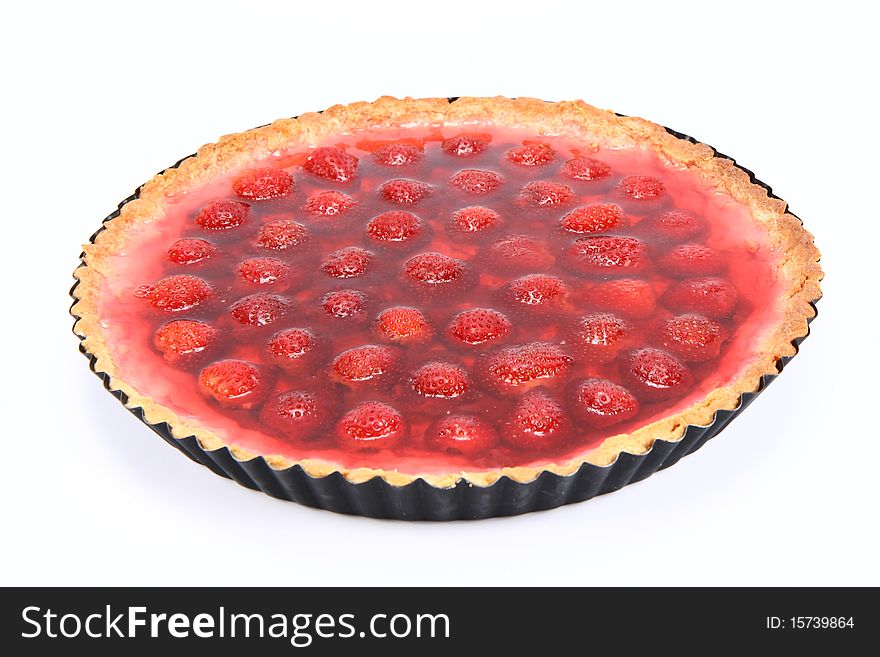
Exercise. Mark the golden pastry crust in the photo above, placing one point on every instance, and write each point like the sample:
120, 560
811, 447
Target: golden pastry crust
798, 267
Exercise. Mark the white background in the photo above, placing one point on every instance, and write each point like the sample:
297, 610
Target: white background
98, 97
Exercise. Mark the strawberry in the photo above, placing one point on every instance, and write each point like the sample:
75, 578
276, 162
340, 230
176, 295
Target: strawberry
295, 349
537, 422
714, 297
464, 434
371, 425
629, 297
223, 215
263, 183
182, 341
594, 218
518, 368
368, 363
259, 309
403, 325
263, 271
599, 337
331, 163
474, 219
586, 168
654, 374
282, 234
465, 145
394, 226
177, 292
520, 253
675, 225
532, 154
349, 262
606, 254
536, 292
689, 260
344, 304
641, 188
433, 270
602, 403
403, 191
190, 250
234, 383
476, 181
543, 193
438, 379
693, 338
397, 155
478, 325
298, 414
329, 203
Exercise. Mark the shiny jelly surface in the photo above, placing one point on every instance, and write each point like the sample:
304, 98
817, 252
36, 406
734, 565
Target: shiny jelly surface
440, 299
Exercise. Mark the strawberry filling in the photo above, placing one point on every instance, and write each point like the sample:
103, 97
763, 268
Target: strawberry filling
439, 300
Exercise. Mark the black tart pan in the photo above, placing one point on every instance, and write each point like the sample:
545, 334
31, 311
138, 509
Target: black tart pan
421, 501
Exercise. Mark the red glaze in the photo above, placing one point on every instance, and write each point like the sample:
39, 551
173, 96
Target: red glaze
441, 300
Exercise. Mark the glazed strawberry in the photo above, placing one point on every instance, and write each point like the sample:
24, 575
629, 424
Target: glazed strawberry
223, 215
329, 203
586, 168
344, 304
675, 225
259, 309
397, 155
514, 369
263, 183
464, 434
331, 163
403, 325
465, 145
602, 403
263, 271
371, 425
629, 297
282, 234
476, 181
536, 293
531, 154
295, 350
402, 191
394, 227
474, 220
177, 292
520, 253
606, 255
537, 422
714, 297
693, 338
234, 383
478, 326
689, 260
438, 379
544, 193
349, 262
641, 188
594, 218
298, 414
433, 271
654, 374
369, 363
183, 340
599, 337
190, 250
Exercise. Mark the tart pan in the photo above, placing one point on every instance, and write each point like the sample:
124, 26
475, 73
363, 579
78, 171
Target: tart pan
419, 500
